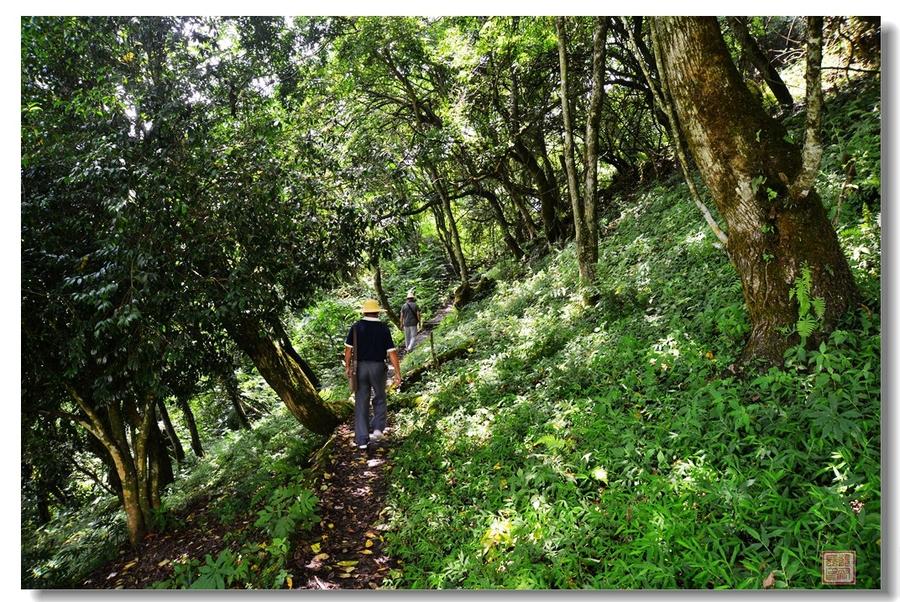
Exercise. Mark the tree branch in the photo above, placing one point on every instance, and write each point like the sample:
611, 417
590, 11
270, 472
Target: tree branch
812, 144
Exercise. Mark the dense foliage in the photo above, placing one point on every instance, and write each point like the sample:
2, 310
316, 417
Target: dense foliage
611, 446
206, 201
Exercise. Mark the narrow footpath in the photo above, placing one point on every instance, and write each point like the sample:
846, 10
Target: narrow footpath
346, 549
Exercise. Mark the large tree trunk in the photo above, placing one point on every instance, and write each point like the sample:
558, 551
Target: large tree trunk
170, 431
761, 62
196, 445
746, 162
109, 431
286, 344
286, 377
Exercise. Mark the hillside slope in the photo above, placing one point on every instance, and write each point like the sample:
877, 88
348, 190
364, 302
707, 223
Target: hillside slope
612, 446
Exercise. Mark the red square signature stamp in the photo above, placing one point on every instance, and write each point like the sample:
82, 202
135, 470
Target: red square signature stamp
839, 568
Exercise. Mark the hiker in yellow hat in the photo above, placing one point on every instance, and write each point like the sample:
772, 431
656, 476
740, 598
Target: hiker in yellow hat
369, 340
410, 319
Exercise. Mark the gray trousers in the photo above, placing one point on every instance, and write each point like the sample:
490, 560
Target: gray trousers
409, 333
370, 376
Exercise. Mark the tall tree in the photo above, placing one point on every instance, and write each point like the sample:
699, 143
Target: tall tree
583, 199
761, 183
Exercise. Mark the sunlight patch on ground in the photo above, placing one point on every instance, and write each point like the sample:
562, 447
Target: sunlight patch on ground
473, 426
697, 238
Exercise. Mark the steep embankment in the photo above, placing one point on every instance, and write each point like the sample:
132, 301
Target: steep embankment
611, 446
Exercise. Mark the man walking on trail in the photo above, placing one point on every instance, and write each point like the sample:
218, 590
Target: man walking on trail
372, 341
411, 319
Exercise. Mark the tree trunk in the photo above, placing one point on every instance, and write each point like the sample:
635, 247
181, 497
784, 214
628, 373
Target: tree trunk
109, 431
456, 243
278, 366
288, 346
505, 230
229, 381
518, 201
761, 62
196, 445
748, 165
379, 290
444, 237
588, 252
170, 431
584, 205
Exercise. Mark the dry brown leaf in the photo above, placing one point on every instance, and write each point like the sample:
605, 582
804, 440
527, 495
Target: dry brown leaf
769, 581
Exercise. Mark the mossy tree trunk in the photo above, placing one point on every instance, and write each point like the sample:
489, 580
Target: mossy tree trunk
284, 374
583, 199
774, 227
139, 492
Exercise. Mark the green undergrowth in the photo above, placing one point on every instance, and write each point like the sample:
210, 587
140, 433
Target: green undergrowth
256, 475
612, 446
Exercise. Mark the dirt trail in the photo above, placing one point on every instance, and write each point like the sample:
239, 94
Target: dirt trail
346, 550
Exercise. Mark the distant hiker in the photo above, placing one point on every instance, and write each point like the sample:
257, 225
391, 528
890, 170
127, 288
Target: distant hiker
411, 319
371, 339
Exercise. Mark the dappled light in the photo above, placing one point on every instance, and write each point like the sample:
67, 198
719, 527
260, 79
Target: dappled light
479, 303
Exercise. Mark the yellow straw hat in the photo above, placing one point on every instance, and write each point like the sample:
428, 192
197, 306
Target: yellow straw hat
370, 306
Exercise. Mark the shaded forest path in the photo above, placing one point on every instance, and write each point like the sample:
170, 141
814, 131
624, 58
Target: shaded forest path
345, 551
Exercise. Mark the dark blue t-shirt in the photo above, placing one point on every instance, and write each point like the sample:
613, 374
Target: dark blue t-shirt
373, 340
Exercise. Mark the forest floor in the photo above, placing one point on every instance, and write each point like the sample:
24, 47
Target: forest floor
344, 551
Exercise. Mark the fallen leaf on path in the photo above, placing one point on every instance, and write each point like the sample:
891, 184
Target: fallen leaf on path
290, 583
348, 562
321, 557
163, 562
365, 551
369, 543
345, 575
315, 547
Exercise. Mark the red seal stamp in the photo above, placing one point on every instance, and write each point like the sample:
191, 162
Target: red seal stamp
839, 568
